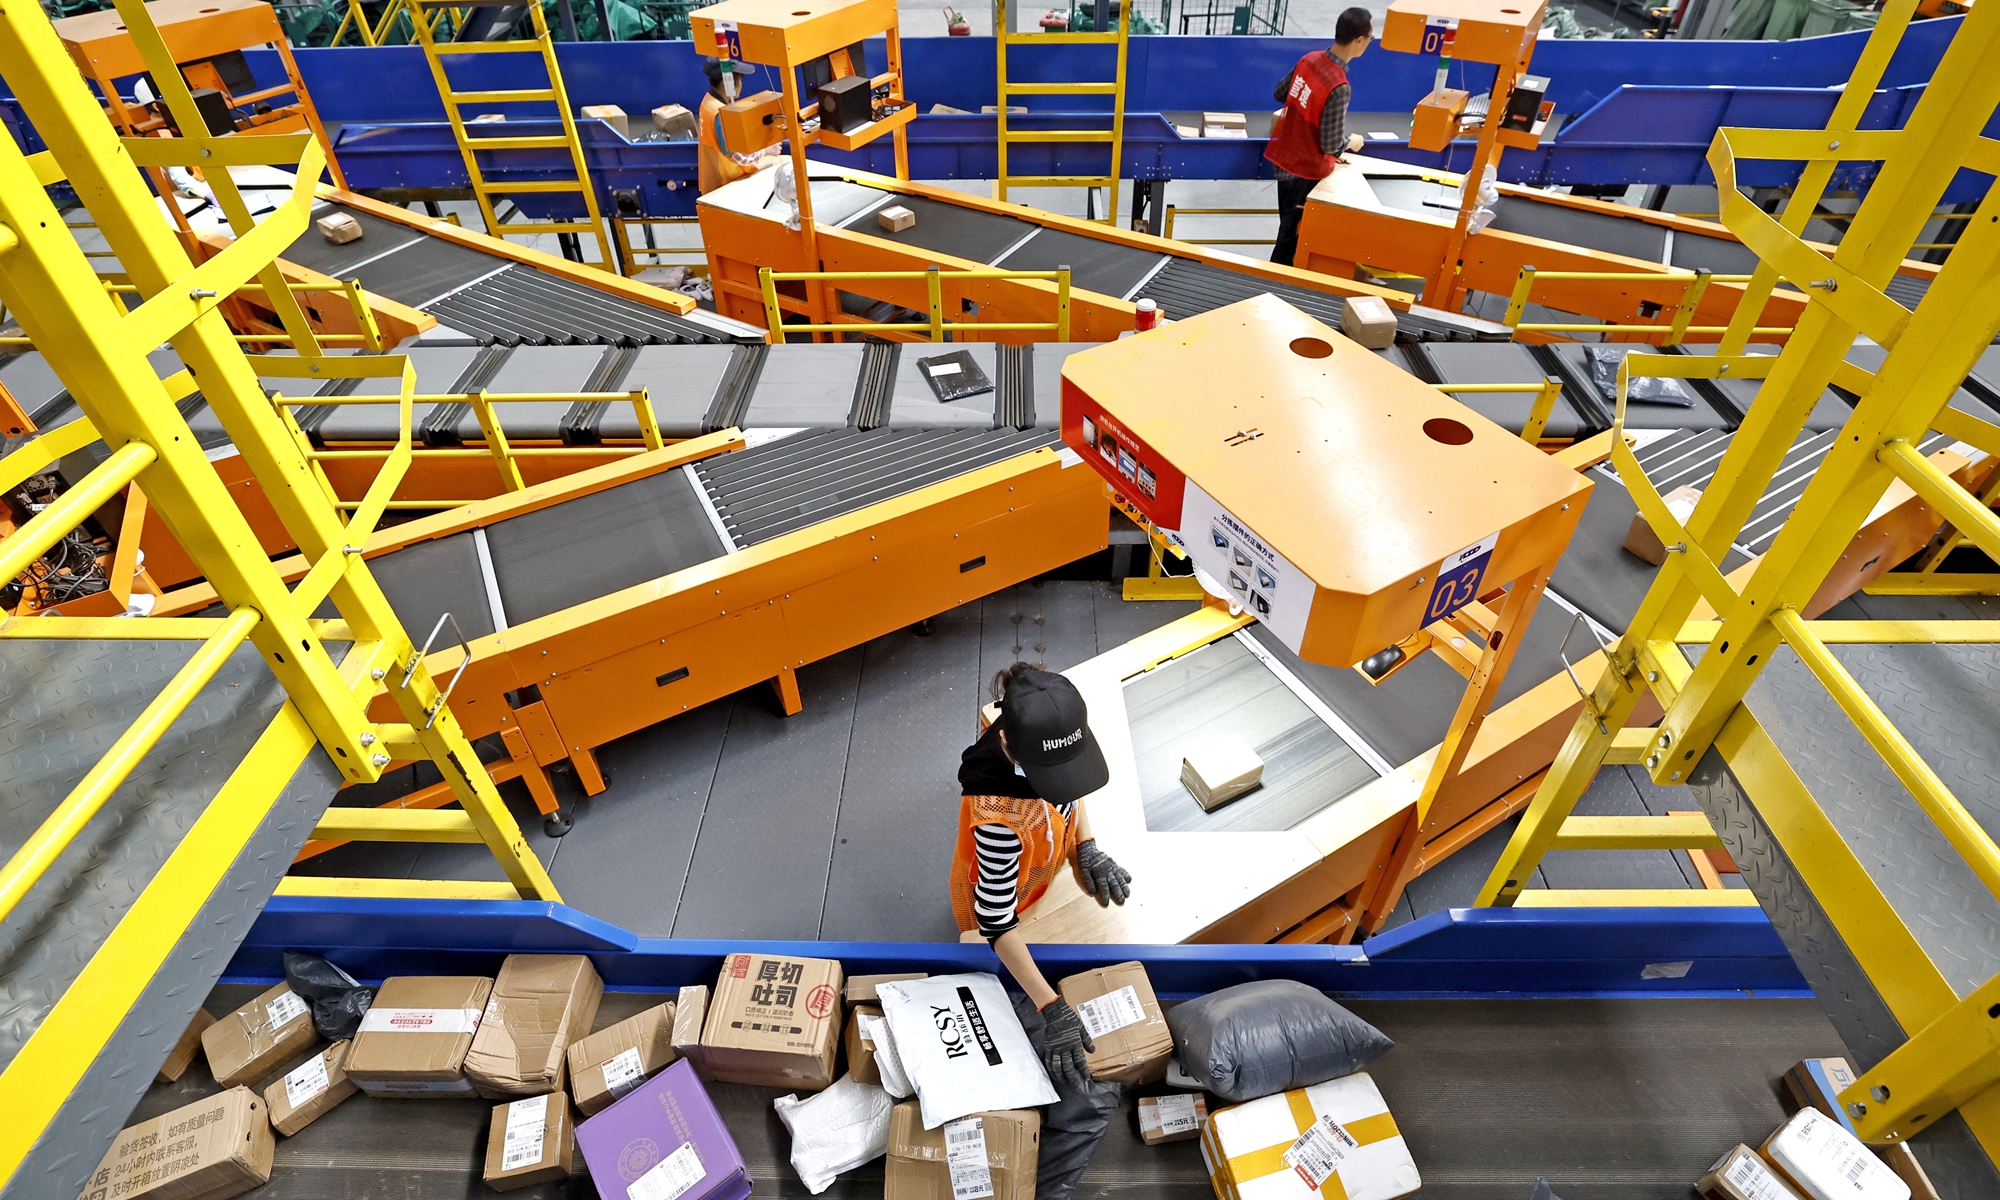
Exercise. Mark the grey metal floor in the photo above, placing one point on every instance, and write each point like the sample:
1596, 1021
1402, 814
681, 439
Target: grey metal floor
1630, 1099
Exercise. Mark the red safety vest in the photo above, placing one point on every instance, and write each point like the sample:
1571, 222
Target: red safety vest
1294, 145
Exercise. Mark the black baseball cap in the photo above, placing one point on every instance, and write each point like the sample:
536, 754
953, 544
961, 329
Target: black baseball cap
1048, 733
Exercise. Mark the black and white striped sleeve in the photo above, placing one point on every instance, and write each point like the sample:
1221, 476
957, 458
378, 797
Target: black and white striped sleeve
999, 850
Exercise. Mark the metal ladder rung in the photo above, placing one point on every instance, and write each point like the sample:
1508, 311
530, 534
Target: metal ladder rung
449, 48
1060, 135
1636, 898
397, 825
510, 229
1061, 39
1059, 180
549, 142
1062, 89
532, 185
397, 889
1671, 832
506, 96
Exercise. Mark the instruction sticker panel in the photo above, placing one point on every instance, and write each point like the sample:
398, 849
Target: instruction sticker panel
1258, 578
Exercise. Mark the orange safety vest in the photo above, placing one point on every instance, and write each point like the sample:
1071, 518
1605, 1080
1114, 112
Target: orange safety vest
1047, 842
1294, 144
714, 167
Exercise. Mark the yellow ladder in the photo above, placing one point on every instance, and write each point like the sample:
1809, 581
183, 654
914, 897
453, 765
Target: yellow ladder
1835, 901
1114, 138
469, 148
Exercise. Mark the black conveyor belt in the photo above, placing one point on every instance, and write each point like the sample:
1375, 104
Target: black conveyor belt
1110, 268
1187, 286
1629, 236
520, 304
1610, 1099
953, 229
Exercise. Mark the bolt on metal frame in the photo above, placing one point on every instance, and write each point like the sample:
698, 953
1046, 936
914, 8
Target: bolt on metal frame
542, 44
1949, 1060
1114, 138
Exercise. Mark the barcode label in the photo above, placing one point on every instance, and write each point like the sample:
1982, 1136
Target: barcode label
1111, 1012
1754, 1179
288, 1007
965, 1155
527, 1127
670, 1177
421, 1020
1319, 1151
1178, 1114
306, 1082
943, 368
623, 1072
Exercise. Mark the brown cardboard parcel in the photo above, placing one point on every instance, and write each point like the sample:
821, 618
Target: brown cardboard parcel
532, 1142
414, 1039
217, 1147
1175, 1117
256, 1039
918, 1169
690, 1018
861, 988
540, 1004
182, 1055
861, 1051
774, 1021
309, 1090
616, 1059
1124, 1018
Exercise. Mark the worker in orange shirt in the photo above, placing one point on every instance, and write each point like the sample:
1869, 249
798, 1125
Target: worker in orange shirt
1021, 821
1311, 129
716, 166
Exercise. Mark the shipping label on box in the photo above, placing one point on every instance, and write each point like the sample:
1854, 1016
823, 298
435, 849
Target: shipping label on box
618, 1058
1307, 1137
413, 1041
1814, 1153
257, 1039
665, 1141
308, 1091
774, 1020
984, 1154
1174, 1118
1124, 1018
1741, 1175
217, 1147
540, 1004
531, 1142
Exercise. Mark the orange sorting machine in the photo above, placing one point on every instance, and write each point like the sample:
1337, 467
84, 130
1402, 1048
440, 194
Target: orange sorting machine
589, 606
1338, 502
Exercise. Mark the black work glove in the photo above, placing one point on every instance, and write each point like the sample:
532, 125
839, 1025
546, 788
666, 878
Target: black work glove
1102, 877
1063, 1044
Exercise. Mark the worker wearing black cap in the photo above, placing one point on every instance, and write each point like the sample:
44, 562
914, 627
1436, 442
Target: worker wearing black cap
1021, 821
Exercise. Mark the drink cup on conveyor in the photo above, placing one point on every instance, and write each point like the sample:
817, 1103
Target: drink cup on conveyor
1147, 316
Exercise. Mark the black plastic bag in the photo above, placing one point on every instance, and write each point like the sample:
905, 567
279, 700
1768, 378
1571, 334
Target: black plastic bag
1072, 1126
1259, 1039
1604, 359
338, 1002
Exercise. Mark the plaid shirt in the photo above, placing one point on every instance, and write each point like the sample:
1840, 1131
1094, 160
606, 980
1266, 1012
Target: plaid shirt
1332, 117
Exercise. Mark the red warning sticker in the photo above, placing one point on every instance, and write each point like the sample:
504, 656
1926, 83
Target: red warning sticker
820, 1001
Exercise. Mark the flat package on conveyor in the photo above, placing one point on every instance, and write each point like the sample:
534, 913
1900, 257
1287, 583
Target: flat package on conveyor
1273, 1148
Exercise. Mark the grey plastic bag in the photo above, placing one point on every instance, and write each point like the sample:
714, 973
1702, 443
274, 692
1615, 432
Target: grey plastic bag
1259, 1039
1604, 359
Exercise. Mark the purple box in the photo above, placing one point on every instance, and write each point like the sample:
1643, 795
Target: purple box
664, 1141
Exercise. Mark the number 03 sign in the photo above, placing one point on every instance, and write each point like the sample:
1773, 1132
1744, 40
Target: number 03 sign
1458, 578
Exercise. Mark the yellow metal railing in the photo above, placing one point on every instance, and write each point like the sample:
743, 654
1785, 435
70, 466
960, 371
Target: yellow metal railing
1675, 330
369, 338
1175, 210
936, 327
629, 254
1538, 415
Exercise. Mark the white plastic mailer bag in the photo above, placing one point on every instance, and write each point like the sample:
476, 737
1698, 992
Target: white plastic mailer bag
888, 1064
837, 1130
962, 1046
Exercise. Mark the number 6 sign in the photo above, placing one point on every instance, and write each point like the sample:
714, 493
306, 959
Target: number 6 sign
1458, 578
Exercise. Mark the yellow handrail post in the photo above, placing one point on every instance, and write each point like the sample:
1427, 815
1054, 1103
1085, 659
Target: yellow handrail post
1519, 301
1538, 416
371, 333
774, 319
1062, 305
934, 286
649, 425
496, 442
1689, 300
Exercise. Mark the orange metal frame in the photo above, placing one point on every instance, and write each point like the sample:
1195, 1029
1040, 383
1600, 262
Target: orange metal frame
739, 244
610, 666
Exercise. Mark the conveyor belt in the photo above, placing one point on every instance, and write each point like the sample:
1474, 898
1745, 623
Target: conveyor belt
1943, 699
1628, 236
1573, 1070
65, 703
1110, 268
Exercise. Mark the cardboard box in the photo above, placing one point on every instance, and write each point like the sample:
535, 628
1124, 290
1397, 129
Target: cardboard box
532, 1142
339, 229
918, 1167
860, 1047
1228, 120
1177, 1117
1246, 1143
1124, 1018
1903, 1161
540, 1004
1640, 538
310, 1090
1369, 321
896, 218
1223, 131
217, 1147
257, 1039
415, 1037
1819, 1158
1219, 770
774, 1021
611, 1062
861, 988
667, 1139
690, 1017
181, 1057
1742, 1175
672, 118
611, 115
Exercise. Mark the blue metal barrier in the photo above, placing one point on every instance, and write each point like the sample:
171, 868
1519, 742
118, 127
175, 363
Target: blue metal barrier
1597, 952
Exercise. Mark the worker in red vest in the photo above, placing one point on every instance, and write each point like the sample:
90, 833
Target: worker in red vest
1311, 129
